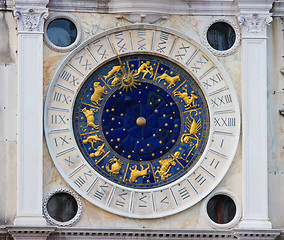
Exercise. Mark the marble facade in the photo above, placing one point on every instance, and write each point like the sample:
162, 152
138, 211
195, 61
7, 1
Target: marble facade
255, 67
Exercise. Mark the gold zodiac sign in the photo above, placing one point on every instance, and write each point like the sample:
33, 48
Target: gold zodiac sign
98, 92
89, 114
115, 69
145, 68
115, 81
193, 127
137, 173
189, 100
169, 79
115, 167
166, 166
92, 139
98, 152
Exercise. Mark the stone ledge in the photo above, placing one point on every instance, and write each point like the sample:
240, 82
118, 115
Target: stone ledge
52, 233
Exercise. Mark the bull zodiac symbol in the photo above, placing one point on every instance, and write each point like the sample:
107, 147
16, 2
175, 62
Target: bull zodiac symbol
115, 167
98, 92
169, 79
193, 127
137, 173
89, 114
166, 166
189, 100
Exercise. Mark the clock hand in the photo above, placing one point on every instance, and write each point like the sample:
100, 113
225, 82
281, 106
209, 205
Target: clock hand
123, 70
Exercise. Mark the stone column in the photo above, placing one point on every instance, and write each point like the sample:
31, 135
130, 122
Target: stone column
254, 120
30, 17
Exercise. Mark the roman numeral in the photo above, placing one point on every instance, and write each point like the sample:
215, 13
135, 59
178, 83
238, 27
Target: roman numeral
163, 41
121, 44
141, 40
214, 163
165, 200
121, 199
61, 140
199, 64
183, 192
68, 160
79, 182
100, 193
84, 62
100, 49
58, 119
227, 122
217, 101
200, 179
181, 52
143, 203
208, 83
60, 97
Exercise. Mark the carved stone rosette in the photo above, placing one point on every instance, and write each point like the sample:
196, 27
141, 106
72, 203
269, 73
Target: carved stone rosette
31, 20
254, 24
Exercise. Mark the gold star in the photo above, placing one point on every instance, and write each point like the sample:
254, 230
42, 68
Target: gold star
112, 119
106, 133
154, 135
113, 96
171, 104
160, 142
118, 139
173, 141
116, 147
153, 154
148, 144
164, 115
166, 124
112, 109
129, 156
107, 110
142, 150
156, 111
121, 114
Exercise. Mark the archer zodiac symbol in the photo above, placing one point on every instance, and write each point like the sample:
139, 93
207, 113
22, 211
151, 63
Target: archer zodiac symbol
145, 68
193, 127
189, 100
137, 173
115, 69
92, 139
115, 167
169, 79
89, 114
166, 166
98, 151
98, 92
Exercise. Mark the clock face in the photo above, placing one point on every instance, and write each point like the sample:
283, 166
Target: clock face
141, 121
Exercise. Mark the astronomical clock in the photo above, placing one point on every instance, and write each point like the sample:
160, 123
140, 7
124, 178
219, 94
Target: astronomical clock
142, 121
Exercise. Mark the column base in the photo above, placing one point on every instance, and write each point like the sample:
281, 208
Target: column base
34, 221
255, 224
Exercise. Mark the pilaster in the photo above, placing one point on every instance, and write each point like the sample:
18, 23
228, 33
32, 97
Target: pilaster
30, 17
254, 113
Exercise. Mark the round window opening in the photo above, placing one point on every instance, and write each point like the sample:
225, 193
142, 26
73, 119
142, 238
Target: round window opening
62, 32
221, 36
62, 207
221, 209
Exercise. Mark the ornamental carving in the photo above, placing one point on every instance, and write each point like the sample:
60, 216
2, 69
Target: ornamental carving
30, 20
255, 23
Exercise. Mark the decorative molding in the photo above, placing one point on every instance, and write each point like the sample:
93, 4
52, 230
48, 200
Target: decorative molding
233, 24
71, 222
143, 18
30, 20
36, 233
255, 23
73, 19
257, 234
238, 214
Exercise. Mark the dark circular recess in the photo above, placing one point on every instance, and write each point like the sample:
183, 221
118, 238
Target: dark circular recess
161, 129
221, 209
62, 32
221, 36
62, 207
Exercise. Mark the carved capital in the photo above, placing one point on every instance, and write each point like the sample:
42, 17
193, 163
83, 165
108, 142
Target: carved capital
254, 24
31, 20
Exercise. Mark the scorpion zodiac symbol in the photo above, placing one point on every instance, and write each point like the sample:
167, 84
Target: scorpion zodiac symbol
193, 127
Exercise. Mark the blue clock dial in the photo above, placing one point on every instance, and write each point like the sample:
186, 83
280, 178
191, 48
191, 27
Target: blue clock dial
142, 123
